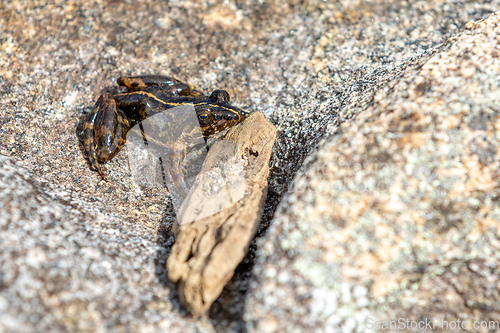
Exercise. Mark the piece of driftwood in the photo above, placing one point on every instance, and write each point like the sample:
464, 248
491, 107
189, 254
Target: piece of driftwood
206, 252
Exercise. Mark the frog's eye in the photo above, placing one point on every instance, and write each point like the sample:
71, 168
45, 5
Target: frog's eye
205, 117
220, 96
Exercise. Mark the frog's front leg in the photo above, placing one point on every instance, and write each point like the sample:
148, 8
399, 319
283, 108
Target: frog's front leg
178, 156
188, 139
167, 83
104, 132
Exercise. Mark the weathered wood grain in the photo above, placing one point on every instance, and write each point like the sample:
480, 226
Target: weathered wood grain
206, 252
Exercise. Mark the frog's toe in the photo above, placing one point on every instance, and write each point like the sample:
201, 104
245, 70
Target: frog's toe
184, 188
104, 177
94, 165
100, 171
131, 82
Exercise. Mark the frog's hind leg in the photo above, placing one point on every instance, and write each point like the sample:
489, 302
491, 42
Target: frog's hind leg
89, 132
104, 132
166, 83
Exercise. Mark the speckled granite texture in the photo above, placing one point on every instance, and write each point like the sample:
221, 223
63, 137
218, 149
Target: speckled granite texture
393, 208
397, 214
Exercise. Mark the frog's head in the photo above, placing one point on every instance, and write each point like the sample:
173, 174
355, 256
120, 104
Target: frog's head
217, 114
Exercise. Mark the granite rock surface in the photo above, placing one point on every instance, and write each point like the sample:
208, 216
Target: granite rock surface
397, 214
80, 254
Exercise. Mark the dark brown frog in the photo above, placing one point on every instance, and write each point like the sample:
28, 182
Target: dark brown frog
113, 116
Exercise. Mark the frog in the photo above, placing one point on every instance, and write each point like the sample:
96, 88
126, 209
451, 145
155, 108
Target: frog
114, 115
